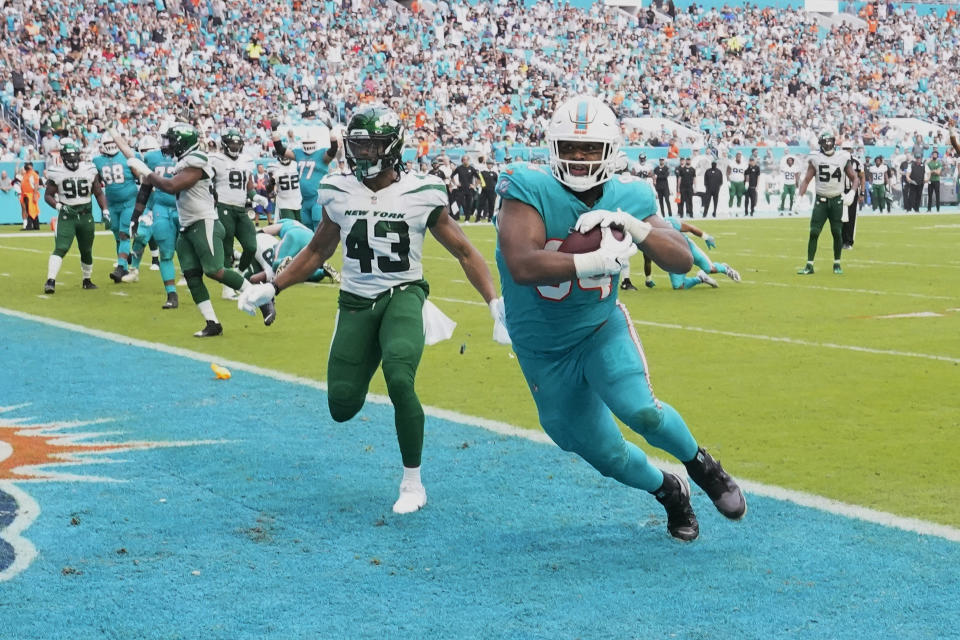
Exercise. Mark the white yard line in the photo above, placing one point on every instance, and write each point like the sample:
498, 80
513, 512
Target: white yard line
756, 488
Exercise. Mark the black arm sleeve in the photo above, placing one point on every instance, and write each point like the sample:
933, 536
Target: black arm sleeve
280, 147
143, 195
334, 147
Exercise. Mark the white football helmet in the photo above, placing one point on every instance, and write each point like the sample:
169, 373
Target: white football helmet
107, 146
310, 140
584, 118
147, 143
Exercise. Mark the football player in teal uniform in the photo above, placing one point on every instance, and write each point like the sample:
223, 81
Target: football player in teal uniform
121, 190
159, 222
292, 237
700, 259
576, 344
313, 162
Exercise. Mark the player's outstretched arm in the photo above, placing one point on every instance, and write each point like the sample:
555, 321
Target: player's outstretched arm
312, 257
667, 247
451, 236
182, 181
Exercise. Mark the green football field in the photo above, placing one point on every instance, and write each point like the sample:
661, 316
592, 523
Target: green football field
842, 386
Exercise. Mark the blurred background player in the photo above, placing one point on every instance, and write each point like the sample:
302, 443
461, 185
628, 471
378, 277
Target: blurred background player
286, 187
790, 175
233, 185
313, 162
121, 191
829, 167
159, 224
287, 238
736, 171
878, 173
200, 244
848, 232
69, 189
700, 259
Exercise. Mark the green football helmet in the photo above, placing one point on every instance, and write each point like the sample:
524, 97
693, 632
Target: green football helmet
373, 142
232, 143
827, 141
179, 140
70, 154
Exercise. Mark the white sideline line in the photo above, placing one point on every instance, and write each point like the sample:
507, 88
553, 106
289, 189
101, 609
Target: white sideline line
872, 292
770, 491
29, 250
752, 336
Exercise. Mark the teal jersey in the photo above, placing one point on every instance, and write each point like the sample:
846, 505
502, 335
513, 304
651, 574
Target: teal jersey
119, 185
162, 165
294, 236
552, 319
312, 170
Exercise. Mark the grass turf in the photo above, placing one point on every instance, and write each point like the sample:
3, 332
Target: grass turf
798, 381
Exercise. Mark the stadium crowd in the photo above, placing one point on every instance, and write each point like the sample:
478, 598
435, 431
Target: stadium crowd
484, 76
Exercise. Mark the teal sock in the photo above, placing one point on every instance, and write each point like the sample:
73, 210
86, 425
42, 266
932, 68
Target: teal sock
168, 274
689, 283
672, 435
720, 267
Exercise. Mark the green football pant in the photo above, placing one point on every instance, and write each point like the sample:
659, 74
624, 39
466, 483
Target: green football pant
826, 209
290, 214
237, 224
788, 190
75, 222
200, 250
878, 196
737, 189
368, 332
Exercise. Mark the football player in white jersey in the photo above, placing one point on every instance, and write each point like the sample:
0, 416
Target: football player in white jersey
233, 184
736, 178
286, 184
200, 244
790, 173
69, 189
381, 216
829, 166
878, 173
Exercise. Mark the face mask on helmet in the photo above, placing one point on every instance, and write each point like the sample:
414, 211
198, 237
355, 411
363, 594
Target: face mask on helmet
583, 139
70, 156
368, 156
309, 146
281, 157
828, 144
232, 145
108, 147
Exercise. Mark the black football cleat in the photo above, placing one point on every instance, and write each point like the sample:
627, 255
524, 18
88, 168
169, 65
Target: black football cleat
117, 274
269, 312
626, 285
172, 301
88, 284
674, 495
720, 487
50, 285
212, 329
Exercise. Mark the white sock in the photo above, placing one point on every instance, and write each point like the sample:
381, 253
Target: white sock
411, 475
206, 309
155, 253
86, 270
53, 266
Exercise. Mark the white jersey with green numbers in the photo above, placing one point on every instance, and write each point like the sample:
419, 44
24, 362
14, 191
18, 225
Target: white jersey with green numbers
196, 203
287, 178
829, 171
737, 170
790, 175
382, 232
74, 188
878, 175
230, 178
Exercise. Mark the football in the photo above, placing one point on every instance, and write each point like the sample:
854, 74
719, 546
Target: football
578, 242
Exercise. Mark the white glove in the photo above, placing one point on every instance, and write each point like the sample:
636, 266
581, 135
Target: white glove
638, 229
612, 256
138, 166
498, 313
105, 213
848, 198
254, 297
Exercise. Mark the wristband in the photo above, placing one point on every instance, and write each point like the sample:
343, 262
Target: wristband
57, 207
276, 289
106, 213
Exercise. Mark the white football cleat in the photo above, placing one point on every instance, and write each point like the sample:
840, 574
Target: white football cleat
133, 275
229, 294
412, 498
732, 273
703, 277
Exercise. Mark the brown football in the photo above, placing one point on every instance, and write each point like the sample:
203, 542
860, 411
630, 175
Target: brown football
578, 242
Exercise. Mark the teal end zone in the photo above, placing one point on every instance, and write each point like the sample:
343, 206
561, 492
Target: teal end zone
282, 527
